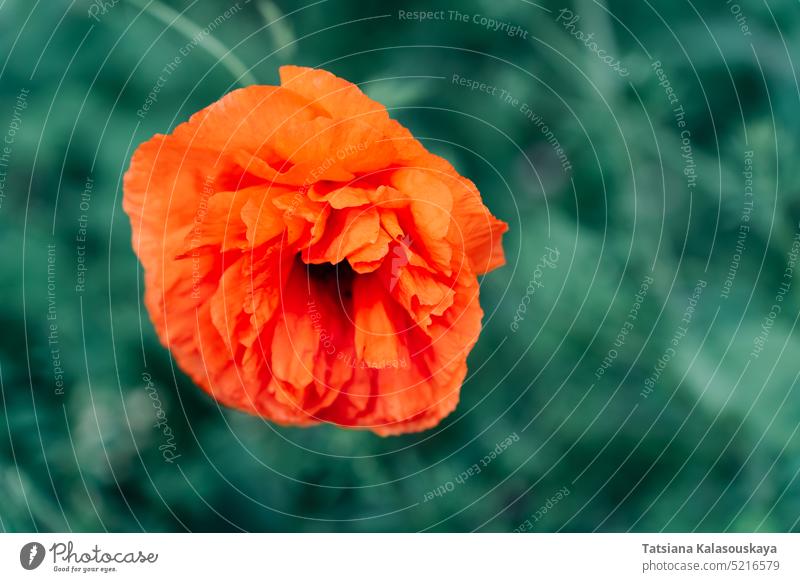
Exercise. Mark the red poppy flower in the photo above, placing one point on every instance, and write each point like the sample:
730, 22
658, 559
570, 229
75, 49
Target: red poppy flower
307, 260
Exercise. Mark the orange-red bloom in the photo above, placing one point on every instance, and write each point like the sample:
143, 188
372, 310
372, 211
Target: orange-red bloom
307, 260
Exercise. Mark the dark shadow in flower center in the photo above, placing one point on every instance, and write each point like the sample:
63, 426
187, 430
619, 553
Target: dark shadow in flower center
337, 279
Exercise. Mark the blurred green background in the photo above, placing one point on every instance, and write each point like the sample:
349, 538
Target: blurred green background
670, 406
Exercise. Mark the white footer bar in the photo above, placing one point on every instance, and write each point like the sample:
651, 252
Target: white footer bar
400, 557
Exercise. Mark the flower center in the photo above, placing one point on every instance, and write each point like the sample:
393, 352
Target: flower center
336, 279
